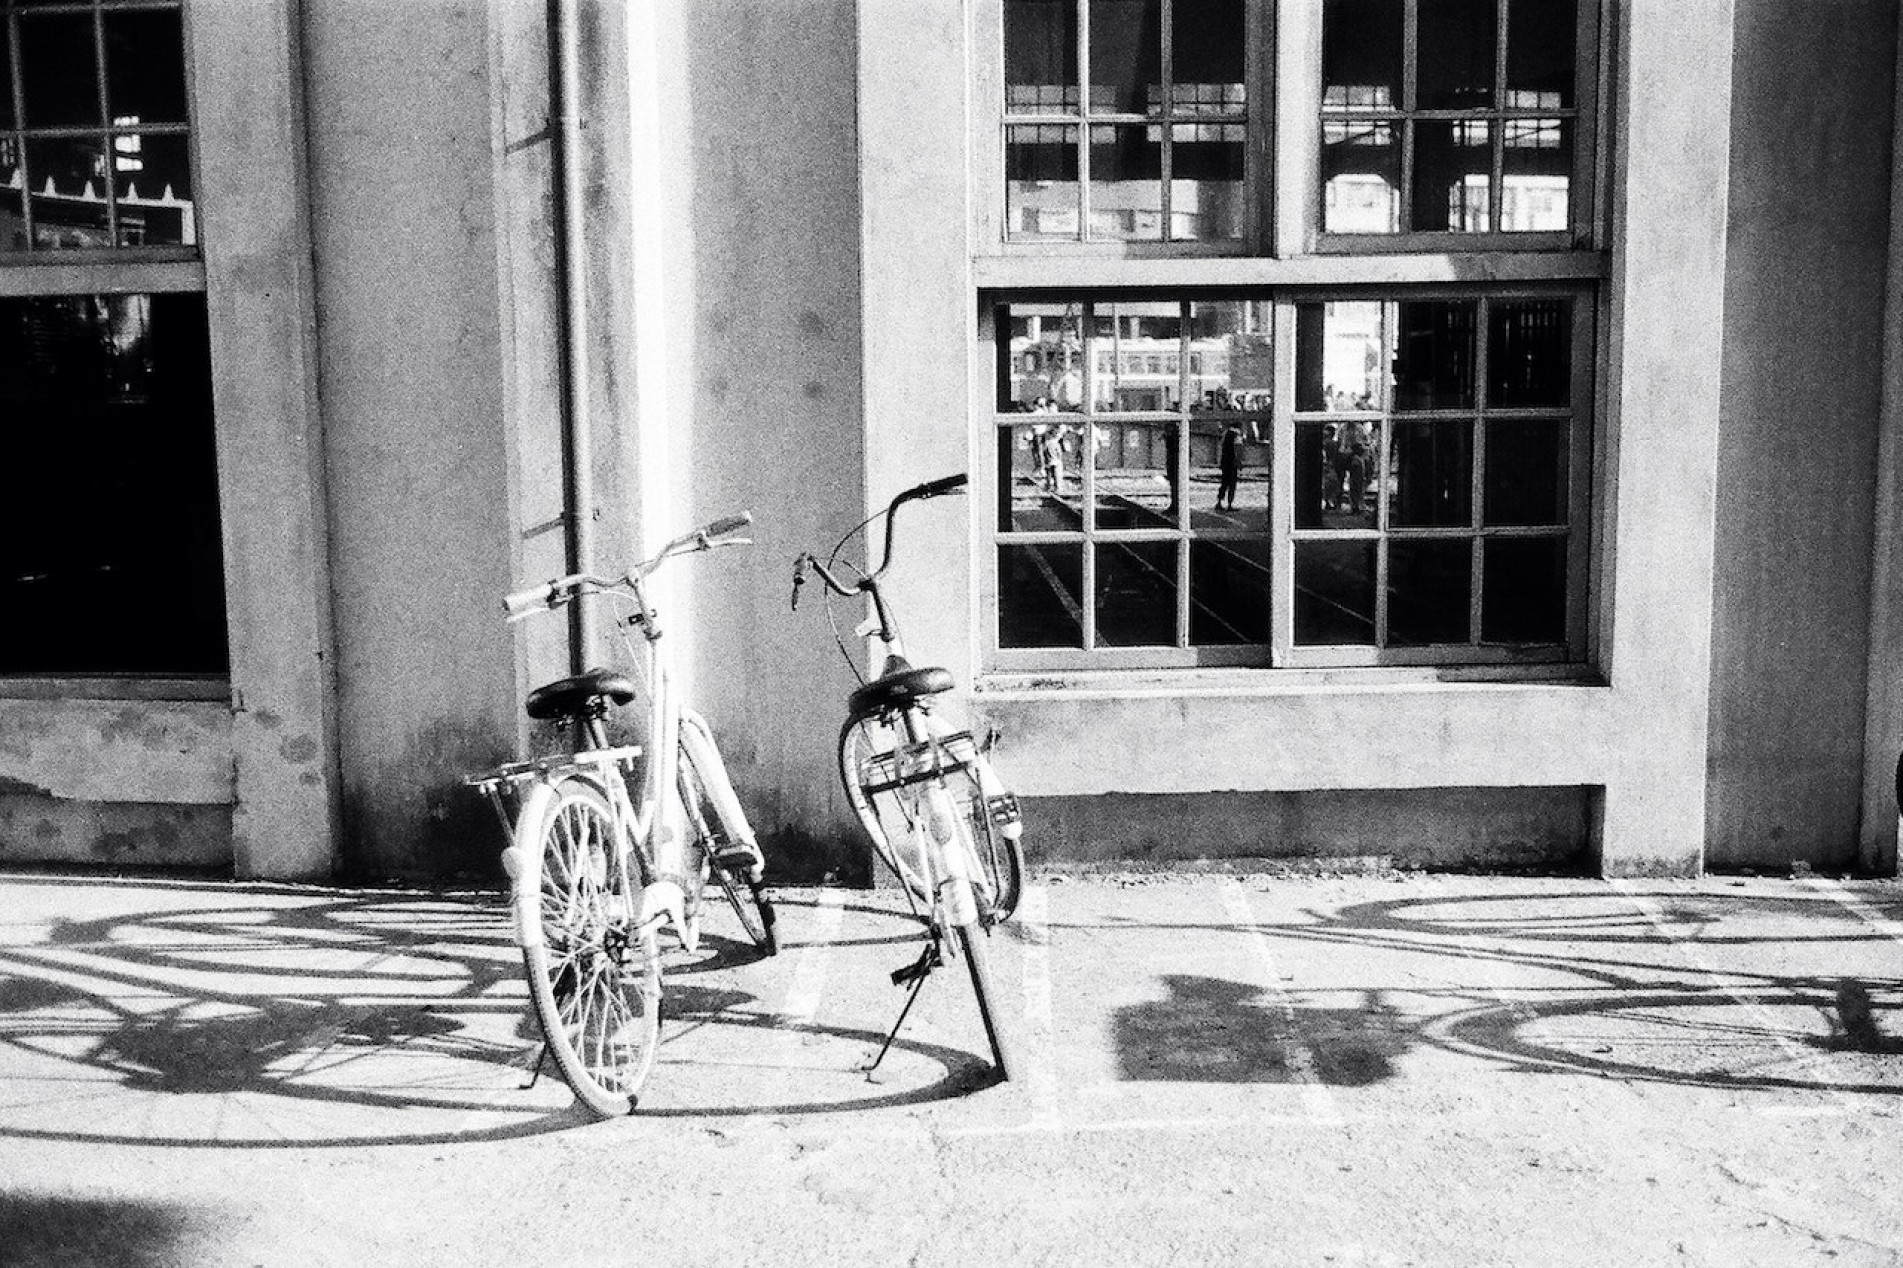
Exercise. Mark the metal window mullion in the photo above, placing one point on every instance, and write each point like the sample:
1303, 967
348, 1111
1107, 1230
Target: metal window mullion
1579, 432
1282, 484
105, 118
1410, 88
1497, 147
1483, 340
1083, 131
1166, 137
12, 18
1087, 472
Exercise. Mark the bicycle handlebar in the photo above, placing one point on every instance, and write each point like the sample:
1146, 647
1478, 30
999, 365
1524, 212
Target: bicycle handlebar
869, 581
550, 594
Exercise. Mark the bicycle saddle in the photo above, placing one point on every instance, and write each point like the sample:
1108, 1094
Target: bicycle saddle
569, 697
898, 688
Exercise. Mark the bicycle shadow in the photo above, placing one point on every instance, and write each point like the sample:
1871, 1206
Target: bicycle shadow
46, 1229
264, 1017
1213, 1030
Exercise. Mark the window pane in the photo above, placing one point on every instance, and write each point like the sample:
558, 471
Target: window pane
1336, 468
1453, 162
1039, 487
1430, 585
1206, 181
1136, 474
107, 401
1040, 55
1136, 594
1541, 48
1338, 359
59, 71
1434, 355
1361, 177
1530, 351
1229, 473
1040, 190
145, 66
1138, 350
1044, 364
1536, 184
1526, 471
1231, 355
153, 182
1361, 55
1229, 589
1456, 45
1038, 593
1334, 592
1523, 590
1126, 183
1432, 484
72, 213
1206, 56
1126, 56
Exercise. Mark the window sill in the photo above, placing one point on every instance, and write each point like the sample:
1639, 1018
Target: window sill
111, 687
1034, 269
1106, 684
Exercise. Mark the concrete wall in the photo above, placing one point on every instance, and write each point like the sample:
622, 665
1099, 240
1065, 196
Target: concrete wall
1813, 94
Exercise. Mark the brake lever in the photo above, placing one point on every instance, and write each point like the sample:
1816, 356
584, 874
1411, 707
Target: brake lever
799, 579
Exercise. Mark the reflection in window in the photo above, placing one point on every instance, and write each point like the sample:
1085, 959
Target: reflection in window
1154, 136
94, 153
1448, 116
109, 535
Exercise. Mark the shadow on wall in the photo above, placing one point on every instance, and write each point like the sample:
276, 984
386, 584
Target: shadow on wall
43, 1229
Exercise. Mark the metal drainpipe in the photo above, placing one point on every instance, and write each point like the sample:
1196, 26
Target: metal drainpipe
572, 313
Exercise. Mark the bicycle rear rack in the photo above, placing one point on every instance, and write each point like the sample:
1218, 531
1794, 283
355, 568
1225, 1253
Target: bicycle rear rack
503, 786
919, 763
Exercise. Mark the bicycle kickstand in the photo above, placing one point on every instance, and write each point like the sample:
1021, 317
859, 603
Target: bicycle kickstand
914, 975
535, 1071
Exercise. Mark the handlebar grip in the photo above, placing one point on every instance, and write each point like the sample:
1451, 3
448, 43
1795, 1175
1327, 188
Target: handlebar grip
727, 527
934, 488
523, 602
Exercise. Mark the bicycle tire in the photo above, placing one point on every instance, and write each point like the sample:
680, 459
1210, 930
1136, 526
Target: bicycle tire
972, 944
594, 978
1000, 853
710, 830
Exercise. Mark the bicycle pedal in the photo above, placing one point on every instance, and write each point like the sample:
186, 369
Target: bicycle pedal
919, 968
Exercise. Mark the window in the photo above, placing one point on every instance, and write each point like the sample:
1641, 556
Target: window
1431, 510
1126, 120
109, 541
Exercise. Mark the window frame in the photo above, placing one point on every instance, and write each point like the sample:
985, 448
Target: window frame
1582, 450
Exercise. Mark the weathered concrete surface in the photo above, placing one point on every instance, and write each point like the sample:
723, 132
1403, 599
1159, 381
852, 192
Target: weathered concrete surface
1368, 1070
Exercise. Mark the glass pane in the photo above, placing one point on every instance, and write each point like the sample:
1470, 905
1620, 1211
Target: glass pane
1430, 587
1229, 472
1139, 357
1338, 359
1126, 183
1455, 51
152, 178
1526, 471
1523, 590
59, 71
1530, 353
116, 393
66, 192
1231, 355
1229, 588
1039, 486
1040, 181
1431, 480
145, 66
1040, 56
1206, 181
6, 74
1044, 358
1136, 474
1434, 355
1361, 177
1536, 179
1126, 56
1206, 57
1453, 162
1336, 467
1541, 48
1334, 592
12, 197
1361, 55
1039, 588
1136, 594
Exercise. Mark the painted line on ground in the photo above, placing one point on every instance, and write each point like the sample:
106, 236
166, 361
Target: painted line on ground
1858, 906
1040, 1038
1300, 1059
808, 981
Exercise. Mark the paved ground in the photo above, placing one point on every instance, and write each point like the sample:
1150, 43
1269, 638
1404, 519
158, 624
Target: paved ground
1370, 1070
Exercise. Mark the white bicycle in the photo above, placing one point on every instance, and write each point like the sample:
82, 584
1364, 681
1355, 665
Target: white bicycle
930, 803
606, 849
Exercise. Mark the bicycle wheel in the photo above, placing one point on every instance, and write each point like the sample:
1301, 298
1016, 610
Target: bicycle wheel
594, 977
997, 841
889, 814
972, 944
714, 837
